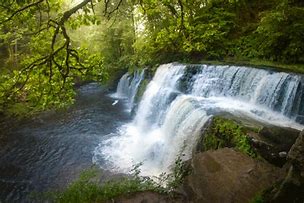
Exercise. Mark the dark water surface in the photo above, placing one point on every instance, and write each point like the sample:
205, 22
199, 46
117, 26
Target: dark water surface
49, 151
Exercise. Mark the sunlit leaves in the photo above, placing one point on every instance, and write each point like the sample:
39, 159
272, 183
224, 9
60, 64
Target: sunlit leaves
41, 67
216, 29
187, 27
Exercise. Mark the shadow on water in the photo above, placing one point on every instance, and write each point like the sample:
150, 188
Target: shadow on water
50, 150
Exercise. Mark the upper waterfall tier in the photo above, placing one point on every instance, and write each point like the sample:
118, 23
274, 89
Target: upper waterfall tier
278, 91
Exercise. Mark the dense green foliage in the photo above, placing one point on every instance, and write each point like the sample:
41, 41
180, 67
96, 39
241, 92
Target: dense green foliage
40, 63
219, 29
227, 133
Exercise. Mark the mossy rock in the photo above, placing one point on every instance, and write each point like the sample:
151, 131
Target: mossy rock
221, 132
271, 143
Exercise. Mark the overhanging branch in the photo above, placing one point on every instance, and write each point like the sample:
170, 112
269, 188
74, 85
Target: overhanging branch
49, 61
21, 10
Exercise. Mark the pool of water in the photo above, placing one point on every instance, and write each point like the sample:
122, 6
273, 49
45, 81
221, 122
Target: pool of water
49, 151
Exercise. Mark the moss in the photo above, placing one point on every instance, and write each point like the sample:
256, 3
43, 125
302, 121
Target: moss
227, 133
254, 129
258, 199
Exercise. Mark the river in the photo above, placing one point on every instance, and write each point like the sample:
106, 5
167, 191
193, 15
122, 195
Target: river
49, 151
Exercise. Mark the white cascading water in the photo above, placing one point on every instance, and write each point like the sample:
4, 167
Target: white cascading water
170, 117
128, 86
123, 86
276, 91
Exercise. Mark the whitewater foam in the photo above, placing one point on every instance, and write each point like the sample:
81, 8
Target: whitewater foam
168, 122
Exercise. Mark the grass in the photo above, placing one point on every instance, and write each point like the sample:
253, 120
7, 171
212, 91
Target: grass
87, 188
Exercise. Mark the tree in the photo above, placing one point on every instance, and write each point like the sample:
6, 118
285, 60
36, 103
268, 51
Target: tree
217, 29
42, 60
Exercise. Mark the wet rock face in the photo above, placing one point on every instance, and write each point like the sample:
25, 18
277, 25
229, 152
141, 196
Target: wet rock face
298, 105
187, 78
273, 143
291, 188
225, 175
296, 154
283, 138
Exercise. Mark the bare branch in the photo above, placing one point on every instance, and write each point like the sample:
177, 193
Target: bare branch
20, 10
92, 6
109, 13
50, 60
182, 15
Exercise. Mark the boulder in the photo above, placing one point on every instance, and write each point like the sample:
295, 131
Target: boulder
272, 143
280, 137
225, 175
296, 154
290, 190
292, 187
148, 197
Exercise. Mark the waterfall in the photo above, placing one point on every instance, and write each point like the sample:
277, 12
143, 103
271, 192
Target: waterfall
123, 86
138, 76
159, 94
181, 98
128, 85
277, 91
